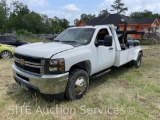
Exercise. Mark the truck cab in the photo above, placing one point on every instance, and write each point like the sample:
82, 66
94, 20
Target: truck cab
65, 66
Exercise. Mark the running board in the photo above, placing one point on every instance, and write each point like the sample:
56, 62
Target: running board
101, 73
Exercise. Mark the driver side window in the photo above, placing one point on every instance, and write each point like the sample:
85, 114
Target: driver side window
101, 34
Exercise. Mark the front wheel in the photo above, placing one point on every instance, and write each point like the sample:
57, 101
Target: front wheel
77, 84
6, 54
137, 63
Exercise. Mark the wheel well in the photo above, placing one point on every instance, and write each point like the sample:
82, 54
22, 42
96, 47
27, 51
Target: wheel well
85, 65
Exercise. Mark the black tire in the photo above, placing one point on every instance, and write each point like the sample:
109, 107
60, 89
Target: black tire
6, 54
77, 85
137, 63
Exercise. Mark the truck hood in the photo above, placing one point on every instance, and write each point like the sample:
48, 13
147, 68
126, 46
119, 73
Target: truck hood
43, 50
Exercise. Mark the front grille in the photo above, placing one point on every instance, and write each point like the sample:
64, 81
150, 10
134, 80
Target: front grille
27, 58
27, 68
31, 64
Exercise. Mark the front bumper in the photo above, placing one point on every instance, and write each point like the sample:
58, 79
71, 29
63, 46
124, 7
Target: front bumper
45, 84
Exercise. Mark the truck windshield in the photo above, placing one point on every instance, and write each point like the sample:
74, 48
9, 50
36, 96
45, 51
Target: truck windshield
76, 35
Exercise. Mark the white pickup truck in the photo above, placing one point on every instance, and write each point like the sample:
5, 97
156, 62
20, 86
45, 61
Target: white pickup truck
63, 67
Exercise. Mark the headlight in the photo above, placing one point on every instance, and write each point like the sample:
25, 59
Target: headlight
55, 66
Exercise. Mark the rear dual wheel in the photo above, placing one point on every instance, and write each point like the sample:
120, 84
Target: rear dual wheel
137, 63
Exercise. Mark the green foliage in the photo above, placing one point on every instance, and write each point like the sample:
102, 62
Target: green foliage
19, 8
145, 13
87, 16
4, 12
33, 22
32, 39
103, 12
21, 19
76, 21
58, 25
24, 32
118, 6
148, 41
16, 20
2, 31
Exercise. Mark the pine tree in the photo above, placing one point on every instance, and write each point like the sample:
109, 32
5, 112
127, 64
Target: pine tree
119, 7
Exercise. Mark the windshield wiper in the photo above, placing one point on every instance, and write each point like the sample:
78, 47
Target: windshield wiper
69, 41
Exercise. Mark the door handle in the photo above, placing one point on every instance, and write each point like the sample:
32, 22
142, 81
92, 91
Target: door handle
110, 48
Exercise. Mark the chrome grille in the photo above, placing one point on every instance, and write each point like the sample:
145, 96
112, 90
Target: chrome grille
31, 64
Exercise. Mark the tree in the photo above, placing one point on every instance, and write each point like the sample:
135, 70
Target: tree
87, 16
59, 24
47, 24
16, 20
145, 13
119, 7
76, 21
19, 8
33, 22
64, 23
22, 20
104, 12
4, 13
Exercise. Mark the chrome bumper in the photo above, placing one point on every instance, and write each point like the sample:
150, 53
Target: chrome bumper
46, 84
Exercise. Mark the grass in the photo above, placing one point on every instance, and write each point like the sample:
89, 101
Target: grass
32, 39
123, 94
148, 41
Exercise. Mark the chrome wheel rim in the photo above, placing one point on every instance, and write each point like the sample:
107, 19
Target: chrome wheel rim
80, 85
6, 54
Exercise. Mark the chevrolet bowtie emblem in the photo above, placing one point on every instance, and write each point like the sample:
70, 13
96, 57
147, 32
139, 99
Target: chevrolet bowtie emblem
22, 62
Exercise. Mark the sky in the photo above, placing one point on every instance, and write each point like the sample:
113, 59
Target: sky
72, 9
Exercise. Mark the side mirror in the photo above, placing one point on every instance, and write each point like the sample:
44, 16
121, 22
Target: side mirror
106, 42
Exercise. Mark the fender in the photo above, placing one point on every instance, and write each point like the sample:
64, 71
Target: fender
139, 49
74, 56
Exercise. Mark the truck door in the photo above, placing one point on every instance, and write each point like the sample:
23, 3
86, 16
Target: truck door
105, 55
